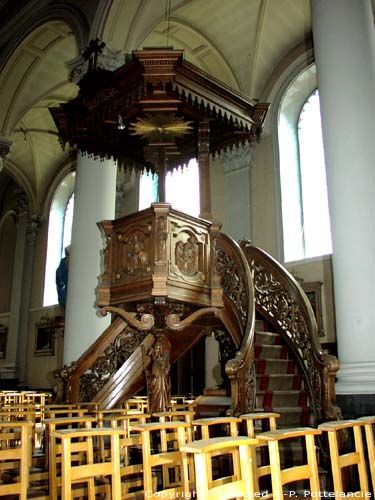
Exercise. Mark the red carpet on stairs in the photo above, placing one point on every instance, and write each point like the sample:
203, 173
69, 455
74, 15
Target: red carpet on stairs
280, 385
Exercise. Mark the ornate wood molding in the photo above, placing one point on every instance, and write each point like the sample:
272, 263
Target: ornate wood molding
146, 323
174, 323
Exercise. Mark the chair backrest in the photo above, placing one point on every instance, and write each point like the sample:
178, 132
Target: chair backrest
238, 485
162, 459
53, 447
91, 468
369, 423
15, 458
281, 477
179, 416
341, 459
255, 424
225, 426
130, 451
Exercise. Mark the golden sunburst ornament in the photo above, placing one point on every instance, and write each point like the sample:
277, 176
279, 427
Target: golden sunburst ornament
161, 127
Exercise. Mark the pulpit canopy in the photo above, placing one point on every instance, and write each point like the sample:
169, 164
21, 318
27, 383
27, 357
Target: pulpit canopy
156, 99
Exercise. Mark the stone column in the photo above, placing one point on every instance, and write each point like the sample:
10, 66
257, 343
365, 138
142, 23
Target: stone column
344, 44
237, 165
5, 145
17, 277
94, 200
24, 339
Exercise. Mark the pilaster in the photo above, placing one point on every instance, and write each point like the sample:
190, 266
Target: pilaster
237, 168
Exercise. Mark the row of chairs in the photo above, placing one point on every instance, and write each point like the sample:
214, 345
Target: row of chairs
25, 397
170, 464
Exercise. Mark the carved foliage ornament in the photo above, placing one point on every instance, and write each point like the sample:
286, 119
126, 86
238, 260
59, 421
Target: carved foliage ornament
232, 281
273, 298
109, 362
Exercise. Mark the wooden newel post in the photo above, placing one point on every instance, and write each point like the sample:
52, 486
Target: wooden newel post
204, 170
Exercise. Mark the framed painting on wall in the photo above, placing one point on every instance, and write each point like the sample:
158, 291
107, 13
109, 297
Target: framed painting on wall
313, 290
44, 338
3, 340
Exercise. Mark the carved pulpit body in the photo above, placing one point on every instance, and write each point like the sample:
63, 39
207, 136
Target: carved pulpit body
156, 252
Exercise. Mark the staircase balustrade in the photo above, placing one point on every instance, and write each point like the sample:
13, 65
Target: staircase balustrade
281, 300
94, 372
238, 295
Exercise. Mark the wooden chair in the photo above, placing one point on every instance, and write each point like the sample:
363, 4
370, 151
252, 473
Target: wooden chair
342, 458
140, 404
368, 423
29, 413
50, 413
15, 457
280, 477
162, 459
177, 415
106, 414
54, 450
256, 423
83, 475
205, 428
238, 485
227, 426
130, 452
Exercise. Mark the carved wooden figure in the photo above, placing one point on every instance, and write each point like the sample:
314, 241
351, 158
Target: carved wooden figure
160, 385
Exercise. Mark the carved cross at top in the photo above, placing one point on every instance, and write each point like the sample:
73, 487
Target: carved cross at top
94, 48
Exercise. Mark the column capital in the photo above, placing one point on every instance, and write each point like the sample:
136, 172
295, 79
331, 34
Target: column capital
106, 58
22, 202
5, 146
33, 226
237, 159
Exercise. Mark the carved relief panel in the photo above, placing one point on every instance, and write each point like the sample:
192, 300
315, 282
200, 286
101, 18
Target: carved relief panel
133, 255
189, 253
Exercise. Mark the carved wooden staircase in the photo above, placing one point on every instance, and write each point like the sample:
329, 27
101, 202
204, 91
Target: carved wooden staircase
170, 278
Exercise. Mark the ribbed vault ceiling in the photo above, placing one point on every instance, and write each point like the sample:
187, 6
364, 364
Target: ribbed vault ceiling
241, 42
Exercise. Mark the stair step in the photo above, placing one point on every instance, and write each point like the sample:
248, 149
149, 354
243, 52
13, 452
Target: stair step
279, 385
261, 325
267, 338
293, 417
278, 382
270, 399
280, 366
271, 351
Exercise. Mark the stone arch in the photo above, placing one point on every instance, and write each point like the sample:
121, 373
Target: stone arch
58, 11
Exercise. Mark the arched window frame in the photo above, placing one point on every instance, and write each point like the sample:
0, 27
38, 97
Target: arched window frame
291, 103
55, 242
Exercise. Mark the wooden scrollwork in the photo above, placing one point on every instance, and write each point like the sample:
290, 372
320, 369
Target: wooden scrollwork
175, 324
146, 323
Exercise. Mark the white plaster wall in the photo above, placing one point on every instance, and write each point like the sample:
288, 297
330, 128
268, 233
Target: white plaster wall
264, 221
319, 269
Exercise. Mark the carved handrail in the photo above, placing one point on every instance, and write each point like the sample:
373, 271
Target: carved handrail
234, 271
70, 377
129, 377
281, 299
